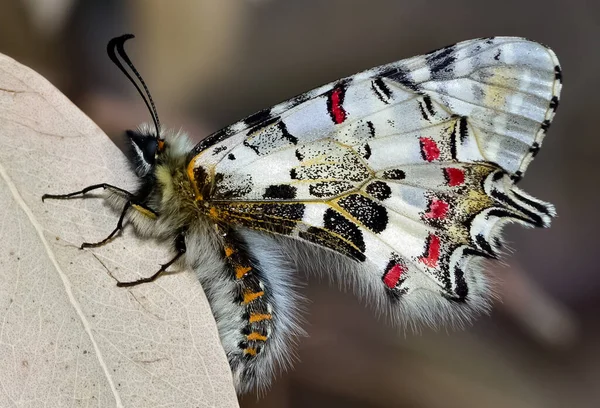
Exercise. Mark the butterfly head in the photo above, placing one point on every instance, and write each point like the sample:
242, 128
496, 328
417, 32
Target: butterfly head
145, 149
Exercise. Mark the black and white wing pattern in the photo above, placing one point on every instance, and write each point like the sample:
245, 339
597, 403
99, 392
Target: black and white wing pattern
409, 168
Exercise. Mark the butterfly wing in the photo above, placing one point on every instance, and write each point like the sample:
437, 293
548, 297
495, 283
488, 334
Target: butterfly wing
408, 168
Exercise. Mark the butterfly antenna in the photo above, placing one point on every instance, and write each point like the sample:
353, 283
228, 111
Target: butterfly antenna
116, 46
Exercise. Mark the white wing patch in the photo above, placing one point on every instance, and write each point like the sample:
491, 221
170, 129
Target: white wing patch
409, 167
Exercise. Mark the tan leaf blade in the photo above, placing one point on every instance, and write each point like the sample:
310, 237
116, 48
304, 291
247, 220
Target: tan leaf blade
68, 335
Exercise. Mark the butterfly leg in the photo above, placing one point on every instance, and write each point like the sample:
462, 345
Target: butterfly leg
104, 186
144, 210
113, 233
180, 248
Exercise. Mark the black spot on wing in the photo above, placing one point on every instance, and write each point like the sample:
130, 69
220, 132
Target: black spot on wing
426, 107
369, 213
338, 224
280, 191
269, 136
475, 252
366, 151
534, 149
461, 289
401, 76
209, 141
453, 142
532, 218
535, 204
441, 62
381, 90
517, 176
462, 129
379, 190
329, 188
297, 100
545, 125
558, 73
286, 134
554, 103
429, 105
258, 118
253, 147
231, 156
394, 174
498, 175
485, 246
422, 109
371, 129
219, 149
262, 125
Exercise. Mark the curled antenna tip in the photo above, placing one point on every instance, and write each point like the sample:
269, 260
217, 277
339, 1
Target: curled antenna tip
114, 47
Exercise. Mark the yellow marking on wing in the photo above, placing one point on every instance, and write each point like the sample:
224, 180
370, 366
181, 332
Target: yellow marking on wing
213, 212
144, 211
250, 296
497, 95
256, 336
229, 251
458, 234
190, 173
475, 201
259, 317
240, 271
251, 351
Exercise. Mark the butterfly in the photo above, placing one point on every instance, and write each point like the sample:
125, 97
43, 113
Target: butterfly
397, 181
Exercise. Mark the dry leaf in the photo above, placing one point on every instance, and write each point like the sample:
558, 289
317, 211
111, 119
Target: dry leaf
68, 335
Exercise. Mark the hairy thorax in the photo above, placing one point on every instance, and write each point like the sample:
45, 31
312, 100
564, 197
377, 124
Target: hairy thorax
175, 196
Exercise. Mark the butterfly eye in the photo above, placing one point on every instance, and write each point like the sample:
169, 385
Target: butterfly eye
142, 153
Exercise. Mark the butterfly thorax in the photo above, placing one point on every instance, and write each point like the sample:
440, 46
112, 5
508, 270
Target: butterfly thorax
165, 186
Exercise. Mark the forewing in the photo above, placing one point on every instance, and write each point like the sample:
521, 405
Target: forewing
409, 166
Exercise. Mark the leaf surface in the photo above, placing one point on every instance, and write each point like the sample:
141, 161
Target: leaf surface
68, 335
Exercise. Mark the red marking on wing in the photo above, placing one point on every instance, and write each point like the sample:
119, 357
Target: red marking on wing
432, 255
392, 277
437, 209
336, 98
454, 176
429, 149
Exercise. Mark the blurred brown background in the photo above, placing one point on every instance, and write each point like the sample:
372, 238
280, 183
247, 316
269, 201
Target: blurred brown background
209, 63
